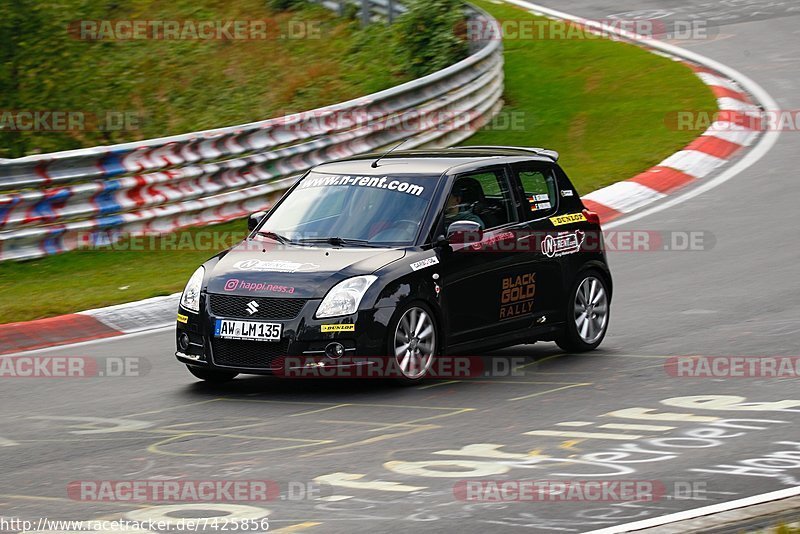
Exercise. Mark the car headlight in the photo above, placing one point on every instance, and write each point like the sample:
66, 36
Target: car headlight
345, 296
190, 299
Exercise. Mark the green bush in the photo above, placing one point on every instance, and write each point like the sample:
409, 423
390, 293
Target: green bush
167, 87
426, 37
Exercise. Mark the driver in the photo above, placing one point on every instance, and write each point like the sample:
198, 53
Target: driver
461, 202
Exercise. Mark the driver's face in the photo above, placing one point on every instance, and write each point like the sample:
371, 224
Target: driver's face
453, 201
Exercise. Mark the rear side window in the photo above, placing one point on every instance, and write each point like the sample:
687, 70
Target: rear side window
539, 187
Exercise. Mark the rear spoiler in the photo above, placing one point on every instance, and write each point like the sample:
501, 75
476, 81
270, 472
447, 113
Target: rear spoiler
552, 154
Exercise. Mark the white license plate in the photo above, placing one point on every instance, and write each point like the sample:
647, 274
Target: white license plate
251, 330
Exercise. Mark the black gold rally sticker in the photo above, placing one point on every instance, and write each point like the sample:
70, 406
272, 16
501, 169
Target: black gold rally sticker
516, 298
570, 218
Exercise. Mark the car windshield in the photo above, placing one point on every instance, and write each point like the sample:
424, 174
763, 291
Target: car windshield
381, 210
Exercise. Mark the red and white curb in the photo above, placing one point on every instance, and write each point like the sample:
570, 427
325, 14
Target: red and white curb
112, 321
738, 98
714, 148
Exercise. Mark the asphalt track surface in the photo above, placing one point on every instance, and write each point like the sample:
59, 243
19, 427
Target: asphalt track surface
392, 456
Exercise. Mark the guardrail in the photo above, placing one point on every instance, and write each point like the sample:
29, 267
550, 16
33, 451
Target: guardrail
368, 9
61, 201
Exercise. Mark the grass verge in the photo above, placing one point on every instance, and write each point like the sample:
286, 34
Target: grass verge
67, 56
602, 104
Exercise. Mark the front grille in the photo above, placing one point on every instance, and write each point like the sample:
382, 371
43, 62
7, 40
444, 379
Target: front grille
268, 308
248, 354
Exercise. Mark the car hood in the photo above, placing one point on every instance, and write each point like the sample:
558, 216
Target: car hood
264, 268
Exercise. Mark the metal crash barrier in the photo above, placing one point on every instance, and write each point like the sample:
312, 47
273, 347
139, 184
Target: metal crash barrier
57, 202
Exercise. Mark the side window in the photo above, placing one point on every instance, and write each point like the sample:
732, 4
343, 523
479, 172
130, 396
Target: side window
483, 197
539, 186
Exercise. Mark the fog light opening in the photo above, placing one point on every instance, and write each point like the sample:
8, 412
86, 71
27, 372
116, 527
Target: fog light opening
183, 342
334, 351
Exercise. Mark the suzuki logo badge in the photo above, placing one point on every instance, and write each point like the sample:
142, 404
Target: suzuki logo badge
252, 307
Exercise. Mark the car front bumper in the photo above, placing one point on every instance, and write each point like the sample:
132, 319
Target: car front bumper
301, 347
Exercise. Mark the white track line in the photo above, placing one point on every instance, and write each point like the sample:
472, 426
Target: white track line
699, 512
764, 145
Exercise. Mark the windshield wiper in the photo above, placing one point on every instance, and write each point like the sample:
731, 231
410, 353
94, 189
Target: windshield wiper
277, 237
337, 241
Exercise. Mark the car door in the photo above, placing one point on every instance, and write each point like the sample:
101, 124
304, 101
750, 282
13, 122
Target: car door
486, 286
538, 188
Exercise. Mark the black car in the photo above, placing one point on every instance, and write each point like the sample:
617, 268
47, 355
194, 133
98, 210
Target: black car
406, 256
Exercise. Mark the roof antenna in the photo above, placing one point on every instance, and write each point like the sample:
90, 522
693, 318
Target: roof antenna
375, 163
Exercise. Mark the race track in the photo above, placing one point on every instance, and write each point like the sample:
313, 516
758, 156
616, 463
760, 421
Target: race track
387, 459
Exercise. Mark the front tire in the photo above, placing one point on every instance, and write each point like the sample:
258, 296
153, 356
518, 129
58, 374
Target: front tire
413, 342
588, 312
212, 376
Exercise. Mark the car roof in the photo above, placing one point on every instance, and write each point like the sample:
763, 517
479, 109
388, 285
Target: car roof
433, 161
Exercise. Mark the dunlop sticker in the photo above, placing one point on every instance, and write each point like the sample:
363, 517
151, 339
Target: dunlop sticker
338, 328
570, 218
183, 318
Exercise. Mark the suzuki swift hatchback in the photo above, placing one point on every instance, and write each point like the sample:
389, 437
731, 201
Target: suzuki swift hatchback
408, 256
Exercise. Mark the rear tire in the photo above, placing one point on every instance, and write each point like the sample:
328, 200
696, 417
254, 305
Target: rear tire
413, 342
212, 376
588, 312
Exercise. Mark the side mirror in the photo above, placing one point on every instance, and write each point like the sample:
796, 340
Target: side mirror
464, 232
255, 219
